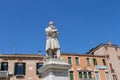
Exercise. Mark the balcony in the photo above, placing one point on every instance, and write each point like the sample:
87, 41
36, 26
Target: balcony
87, 79
3, 73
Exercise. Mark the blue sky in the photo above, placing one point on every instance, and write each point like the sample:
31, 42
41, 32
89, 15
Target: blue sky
83, 24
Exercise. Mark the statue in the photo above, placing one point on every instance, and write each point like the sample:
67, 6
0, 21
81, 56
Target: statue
52, 44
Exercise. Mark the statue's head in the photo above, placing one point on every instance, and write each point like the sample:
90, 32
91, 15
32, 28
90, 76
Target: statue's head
51, 24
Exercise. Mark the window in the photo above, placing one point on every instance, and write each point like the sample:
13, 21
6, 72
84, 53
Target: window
114, 77
116, 49
80, 75
71, 75
77, 60
97, 77
38, 65
88, 61
112, 70
4, 66
118, 57
85, 74
107, 76
104, 62
89, 75
69, 60
19, 69
111, 66
94, 61
108, 57
106, 48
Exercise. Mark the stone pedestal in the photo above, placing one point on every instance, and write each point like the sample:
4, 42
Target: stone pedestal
54, 69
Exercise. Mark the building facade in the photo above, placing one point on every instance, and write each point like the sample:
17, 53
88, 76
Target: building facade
100, 63
112, 55
87, 67
20, 66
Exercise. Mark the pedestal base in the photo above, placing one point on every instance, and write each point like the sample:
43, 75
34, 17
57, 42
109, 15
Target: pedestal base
54, 69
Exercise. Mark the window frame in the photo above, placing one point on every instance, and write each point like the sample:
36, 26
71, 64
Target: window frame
80, 76
85, 75
95, 63
77, 61
98, 74
37, 73
107, 75
72, 75
89, 76
118, 57
2, 66
16, 73
70, 60
104, 62
88, 59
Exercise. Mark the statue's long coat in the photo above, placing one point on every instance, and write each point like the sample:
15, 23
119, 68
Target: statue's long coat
52, 41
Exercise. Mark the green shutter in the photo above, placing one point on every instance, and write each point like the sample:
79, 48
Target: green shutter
107, 76
80, 74
36, 68
69, 60
15, 68
71, 75
77, 61
85, 75
89, 74
88, 61
104, 62
94, 61
7, 66
24, 68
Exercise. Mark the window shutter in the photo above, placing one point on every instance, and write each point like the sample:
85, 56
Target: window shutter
36, 68
104, 62
80, 74
89, 74
85, 75
15, 68
69, 60
71, 75
7, 66
4, 66
0, 65
24, 68
38, 65
111, 66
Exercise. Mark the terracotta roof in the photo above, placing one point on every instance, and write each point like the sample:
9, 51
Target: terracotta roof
37, 56
101, 45
21, 56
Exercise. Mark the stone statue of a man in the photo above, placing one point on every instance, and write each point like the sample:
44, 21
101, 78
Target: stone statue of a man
52, 44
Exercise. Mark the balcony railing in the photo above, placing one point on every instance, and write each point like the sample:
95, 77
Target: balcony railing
3, 73
87, 79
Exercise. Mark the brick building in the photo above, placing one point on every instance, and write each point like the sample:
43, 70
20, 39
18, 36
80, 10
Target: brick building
20, 66
100, 63
87, 67
112, 55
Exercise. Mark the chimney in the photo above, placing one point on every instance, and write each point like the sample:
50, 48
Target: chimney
109, 43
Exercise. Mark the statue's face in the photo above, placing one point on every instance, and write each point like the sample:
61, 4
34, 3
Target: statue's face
51, 24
